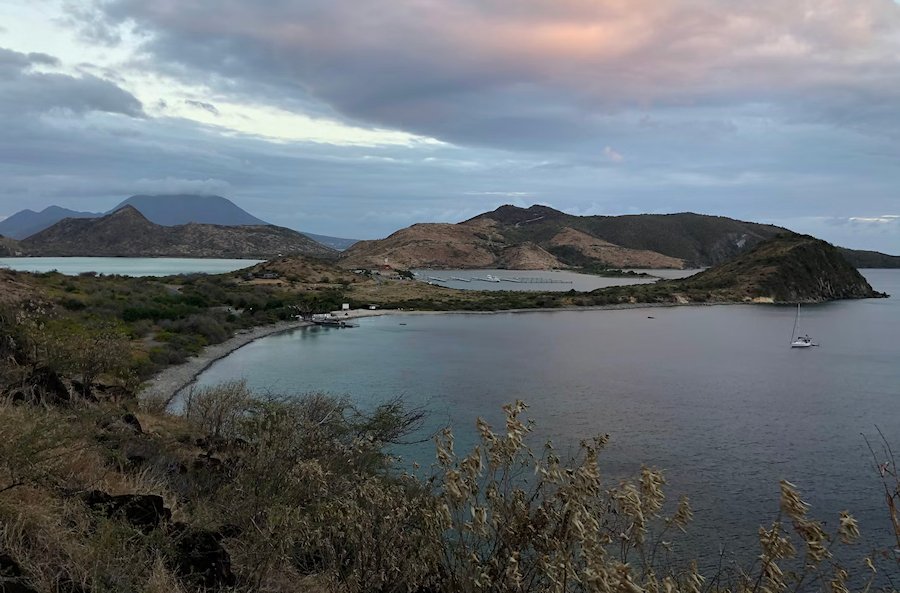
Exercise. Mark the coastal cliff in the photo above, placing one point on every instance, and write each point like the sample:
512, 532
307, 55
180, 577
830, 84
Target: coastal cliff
786, 269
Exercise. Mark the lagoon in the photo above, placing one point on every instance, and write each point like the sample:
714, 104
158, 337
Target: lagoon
126, 266
541, 280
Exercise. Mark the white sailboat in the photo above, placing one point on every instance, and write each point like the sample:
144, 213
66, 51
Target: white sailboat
798, 341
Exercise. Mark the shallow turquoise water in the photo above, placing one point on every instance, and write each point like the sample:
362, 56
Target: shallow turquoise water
126, 266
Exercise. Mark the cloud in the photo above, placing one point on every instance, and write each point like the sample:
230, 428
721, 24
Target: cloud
757, 110
612, 155
22, 89
12, 62
536, 73
883, 219
509, 194
208, 107
172, 185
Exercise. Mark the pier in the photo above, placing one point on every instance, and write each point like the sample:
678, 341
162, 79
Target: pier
541, 281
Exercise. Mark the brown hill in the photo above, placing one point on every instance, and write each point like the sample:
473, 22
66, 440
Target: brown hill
429, 245
483, 242
699, 240
127, 233
597, 249
9, 247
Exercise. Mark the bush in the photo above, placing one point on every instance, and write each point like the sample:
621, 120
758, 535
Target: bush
218, 411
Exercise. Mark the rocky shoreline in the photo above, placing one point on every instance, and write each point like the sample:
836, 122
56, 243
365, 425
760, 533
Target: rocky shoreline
166, 384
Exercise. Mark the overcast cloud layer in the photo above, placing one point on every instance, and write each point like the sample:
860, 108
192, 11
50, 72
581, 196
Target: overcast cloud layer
356, 119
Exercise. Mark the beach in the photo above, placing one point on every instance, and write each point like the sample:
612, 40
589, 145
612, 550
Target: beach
166, 384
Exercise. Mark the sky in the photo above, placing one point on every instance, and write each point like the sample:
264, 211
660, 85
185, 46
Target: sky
355, 119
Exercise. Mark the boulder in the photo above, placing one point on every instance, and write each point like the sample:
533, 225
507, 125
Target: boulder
9, 568
200, 558
10, 576
144, 511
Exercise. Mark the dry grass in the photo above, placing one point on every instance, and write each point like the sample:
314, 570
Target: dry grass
308, 502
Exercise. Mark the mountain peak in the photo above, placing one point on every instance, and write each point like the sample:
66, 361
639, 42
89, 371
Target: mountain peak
510, 214
126, 232
175, 209
127, 212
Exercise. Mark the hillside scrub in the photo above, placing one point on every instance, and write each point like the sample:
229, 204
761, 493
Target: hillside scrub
155, 321
255, 492
296, 494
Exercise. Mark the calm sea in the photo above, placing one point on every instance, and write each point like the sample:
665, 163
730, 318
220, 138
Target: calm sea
711, 394
126, 266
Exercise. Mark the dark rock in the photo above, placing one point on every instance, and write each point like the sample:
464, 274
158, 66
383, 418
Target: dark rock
10, 576
229, 530
208, 462
200, 558
132, 421
114, 393
43, 386
176, 467
126, 423
144, 511
15, 586
9, 567
136, 460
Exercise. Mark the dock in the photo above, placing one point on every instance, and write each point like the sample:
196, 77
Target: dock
541, 281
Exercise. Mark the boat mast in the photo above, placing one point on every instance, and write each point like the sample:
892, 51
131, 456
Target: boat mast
796, 323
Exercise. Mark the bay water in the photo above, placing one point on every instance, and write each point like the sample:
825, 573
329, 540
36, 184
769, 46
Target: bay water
713, 395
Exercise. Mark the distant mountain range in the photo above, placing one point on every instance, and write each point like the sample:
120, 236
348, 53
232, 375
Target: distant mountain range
510, 237
25, 223
166, 210
540, 237
128, 233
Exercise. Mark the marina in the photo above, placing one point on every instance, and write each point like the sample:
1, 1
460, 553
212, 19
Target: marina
530, 280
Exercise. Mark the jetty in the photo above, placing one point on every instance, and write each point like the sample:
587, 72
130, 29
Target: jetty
540, 281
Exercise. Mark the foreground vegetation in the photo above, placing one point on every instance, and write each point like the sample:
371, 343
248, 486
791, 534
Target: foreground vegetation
247, 493
100, 491
142, 325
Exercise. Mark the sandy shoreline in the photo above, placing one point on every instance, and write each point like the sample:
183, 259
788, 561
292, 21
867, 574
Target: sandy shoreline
169, 381
359, 313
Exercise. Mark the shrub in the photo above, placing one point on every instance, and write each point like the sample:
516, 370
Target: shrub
218, 410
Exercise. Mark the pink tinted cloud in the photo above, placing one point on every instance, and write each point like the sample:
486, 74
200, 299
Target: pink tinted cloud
595, 54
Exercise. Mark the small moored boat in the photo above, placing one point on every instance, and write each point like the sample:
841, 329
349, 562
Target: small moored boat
798, 341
